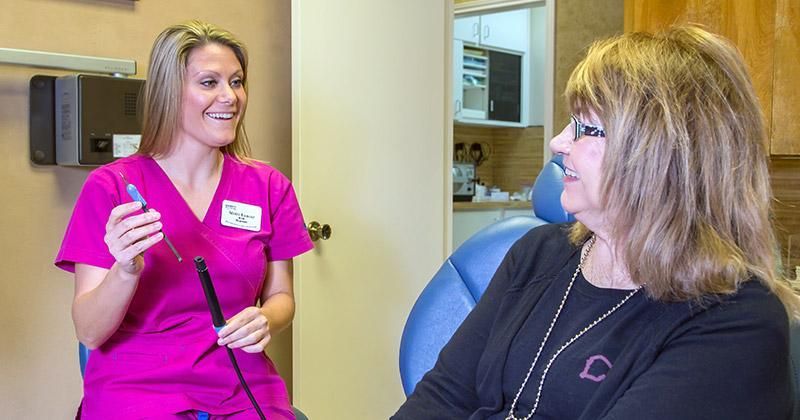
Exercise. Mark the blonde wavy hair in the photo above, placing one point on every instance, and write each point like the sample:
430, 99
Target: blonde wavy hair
165, 77
685, 168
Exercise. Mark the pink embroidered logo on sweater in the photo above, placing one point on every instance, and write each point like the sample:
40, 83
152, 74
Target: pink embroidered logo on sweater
589, 363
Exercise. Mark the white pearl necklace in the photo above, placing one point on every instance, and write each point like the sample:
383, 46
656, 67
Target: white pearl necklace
584, 254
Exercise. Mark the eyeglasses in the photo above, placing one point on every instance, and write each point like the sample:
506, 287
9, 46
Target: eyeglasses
582, 129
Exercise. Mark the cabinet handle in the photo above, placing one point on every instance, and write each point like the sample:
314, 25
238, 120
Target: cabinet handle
491, 105
476, 30
458, 106
486, 32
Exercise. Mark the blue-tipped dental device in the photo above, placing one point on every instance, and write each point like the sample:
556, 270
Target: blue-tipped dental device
136, 196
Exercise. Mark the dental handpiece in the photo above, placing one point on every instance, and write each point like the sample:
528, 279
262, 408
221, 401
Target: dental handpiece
136, 196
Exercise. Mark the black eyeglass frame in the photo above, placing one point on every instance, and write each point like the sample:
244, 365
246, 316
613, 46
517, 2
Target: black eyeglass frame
582, 129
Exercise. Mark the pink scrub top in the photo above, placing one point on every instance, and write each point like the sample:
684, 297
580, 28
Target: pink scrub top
164, 359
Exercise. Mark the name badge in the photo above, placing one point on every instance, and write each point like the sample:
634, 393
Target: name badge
241, 216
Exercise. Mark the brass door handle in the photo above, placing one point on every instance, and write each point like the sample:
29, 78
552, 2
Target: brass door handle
317, 231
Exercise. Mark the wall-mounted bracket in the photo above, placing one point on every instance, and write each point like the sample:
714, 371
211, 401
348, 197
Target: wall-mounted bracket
81, 63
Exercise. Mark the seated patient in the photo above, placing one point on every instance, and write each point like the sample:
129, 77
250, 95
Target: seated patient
662, 301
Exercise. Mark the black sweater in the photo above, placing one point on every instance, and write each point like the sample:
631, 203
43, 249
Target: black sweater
725, 359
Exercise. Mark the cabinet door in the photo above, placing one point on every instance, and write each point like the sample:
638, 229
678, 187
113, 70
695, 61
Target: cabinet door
505, 86
786, 101
467, 29
750, 24
517, 212
467, 223
507, 30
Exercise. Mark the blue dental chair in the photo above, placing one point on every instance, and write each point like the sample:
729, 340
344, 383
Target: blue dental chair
456, 287
460, 282
83, 356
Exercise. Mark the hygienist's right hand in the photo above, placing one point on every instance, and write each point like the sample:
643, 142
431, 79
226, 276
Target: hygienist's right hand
127, 237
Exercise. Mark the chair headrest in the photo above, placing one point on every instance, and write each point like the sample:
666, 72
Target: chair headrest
546, 195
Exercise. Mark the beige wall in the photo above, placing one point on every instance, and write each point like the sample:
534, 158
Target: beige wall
578, 23
39, 377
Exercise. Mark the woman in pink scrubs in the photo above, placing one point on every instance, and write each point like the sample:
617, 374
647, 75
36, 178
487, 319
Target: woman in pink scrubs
141, 311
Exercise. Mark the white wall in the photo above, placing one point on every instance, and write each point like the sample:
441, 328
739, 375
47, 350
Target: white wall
537, 50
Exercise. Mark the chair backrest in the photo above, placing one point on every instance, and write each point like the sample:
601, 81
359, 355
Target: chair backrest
456, 287
83, 357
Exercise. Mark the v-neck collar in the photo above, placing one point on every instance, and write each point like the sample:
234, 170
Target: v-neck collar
219, 193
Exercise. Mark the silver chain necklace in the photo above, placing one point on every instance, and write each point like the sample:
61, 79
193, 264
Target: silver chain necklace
584, 254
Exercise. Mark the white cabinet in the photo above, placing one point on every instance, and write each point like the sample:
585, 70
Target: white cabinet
468, 222
490, 64
488, 86
517, 212
458, 77
470, 82
468, 29
508, 30
505, 30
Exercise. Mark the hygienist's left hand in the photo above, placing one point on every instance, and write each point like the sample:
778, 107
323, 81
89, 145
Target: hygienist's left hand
247, 330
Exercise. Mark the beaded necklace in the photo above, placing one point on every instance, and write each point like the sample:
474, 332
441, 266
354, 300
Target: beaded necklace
584, 254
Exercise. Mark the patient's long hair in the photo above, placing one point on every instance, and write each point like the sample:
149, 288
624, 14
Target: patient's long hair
685, 169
